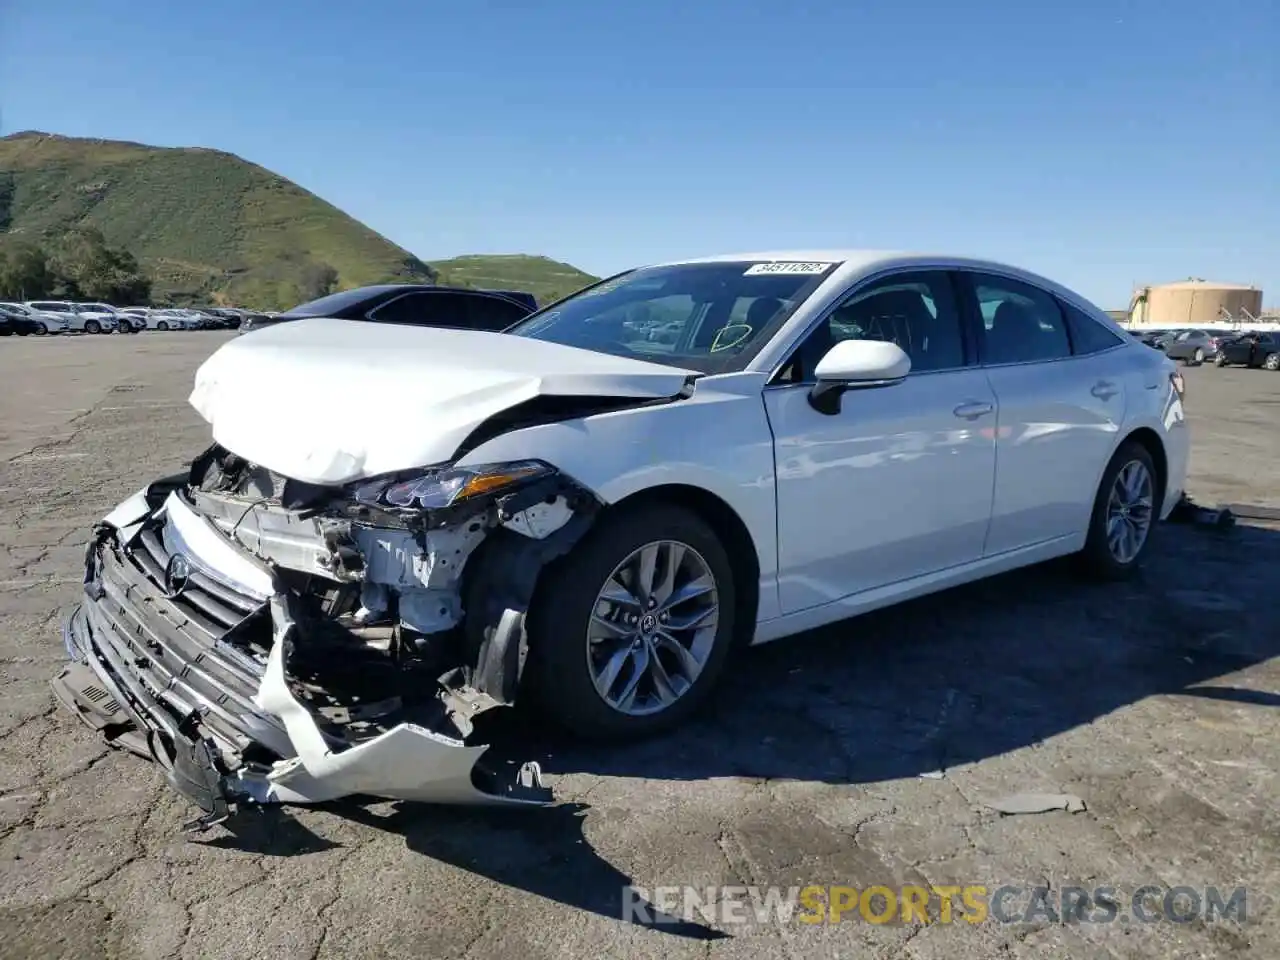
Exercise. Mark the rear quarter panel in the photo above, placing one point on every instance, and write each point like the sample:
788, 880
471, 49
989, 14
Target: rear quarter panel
1154, 404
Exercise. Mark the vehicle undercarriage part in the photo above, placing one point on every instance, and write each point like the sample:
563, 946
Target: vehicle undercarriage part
267, 654
1187, 510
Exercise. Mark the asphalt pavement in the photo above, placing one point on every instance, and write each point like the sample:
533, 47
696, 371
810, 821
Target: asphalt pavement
862, 755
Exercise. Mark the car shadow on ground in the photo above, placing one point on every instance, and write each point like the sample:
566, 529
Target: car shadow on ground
950, 679
972, 672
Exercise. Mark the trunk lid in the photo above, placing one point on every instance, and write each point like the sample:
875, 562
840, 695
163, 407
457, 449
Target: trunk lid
331, 401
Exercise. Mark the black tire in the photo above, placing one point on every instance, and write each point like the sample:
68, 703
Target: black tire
92, 326
559, 676
162, 325
1272, 362
1096, 559
41, 329
1220, 360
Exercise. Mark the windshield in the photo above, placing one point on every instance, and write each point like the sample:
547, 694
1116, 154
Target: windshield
711, 317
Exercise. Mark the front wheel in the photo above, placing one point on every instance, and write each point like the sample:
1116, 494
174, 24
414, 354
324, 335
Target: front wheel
1220, 360
1125, 511
162, 325
629, 632
1272, 362
92, 326
41, 329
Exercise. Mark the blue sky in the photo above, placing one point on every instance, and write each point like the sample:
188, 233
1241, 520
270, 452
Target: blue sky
1101, 142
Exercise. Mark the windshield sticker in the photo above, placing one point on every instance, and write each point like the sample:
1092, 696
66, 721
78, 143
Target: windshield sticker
784, 267
602, 288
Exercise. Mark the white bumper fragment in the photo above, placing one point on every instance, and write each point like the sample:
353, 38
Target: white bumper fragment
408, 762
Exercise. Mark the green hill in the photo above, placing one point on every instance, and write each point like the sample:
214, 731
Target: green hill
207, 225
545, 278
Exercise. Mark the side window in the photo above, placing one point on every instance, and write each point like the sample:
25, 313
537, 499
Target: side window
425, 310
492, 313
1087, 335
1021, 324
917, 311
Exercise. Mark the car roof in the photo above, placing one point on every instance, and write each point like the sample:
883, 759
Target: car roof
854, 265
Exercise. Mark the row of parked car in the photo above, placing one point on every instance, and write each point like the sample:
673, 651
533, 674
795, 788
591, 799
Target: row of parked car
41, 317
1248, 348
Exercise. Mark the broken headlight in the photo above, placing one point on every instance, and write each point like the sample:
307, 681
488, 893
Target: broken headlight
437, 488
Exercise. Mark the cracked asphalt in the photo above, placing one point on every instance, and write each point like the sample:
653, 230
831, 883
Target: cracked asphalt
862, 754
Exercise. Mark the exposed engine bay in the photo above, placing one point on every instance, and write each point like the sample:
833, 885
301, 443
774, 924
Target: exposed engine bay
268, 640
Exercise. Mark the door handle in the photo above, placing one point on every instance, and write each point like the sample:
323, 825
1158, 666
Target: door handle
1104, 390
973, 409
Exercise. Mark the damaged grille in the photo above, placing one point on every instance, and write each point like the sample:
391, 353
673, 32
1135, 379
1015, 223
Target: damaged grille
174, 653
213, 606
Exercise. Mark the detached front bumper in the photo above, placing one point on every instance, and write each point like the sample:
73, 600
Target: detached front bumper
158, 667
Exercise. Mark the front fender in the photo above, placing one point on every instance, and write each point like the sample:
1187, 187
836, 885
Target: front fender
717, 440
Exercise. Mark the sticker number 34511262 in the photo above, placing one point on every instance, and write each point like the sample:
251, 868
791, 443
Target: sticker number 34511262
785, 267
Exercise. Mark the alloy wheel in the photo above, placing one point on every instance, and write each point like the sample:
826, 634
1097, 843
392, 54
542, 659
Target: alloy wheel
1130, 509
653, 628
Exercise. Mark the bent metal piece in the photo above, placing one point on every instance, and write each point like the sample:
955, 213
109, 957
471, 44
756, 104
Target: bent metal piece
408, 762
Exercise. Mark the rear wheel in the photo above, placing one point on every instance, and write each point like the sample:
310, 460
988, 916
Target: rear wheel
629, 632
1220, 360
1125, 511
1199, 355
162, 325
92, 326
1272, 362
41, 329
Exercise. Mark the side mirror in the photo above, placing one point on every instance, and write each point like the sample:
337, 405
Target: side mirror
856, 365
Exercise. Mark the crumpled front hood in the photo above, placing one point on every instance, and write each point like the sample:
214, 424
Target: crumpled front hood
330, 401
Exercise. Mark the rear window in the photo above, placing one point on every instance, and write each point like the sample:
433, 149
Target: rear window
327, 306
1087, 334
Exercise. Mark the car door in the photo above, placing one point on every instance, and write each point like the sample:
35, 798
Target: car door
897, 483
1059, 410
1264, 346
1238, 349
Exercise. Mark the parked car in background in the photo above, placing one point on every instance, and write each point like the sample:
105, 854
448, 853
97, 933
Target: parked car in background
825, 434
1194, 346
136, 316
88, 321
97, 318
223, 318
169, 318
418, 305
1254, 349
1153, 338
100, 310
23, 320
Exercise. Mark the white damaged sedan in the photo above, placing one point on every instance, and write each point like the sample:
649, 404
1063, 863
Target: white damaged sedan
398, 530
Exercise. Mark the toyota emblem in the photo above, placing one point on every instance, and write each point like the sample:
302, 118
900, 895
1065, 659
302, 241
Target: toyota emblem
177, 573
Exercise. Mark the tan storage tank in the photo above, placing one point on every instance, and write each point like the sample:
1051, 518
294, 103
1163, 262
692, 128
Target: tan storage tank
1195, 303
